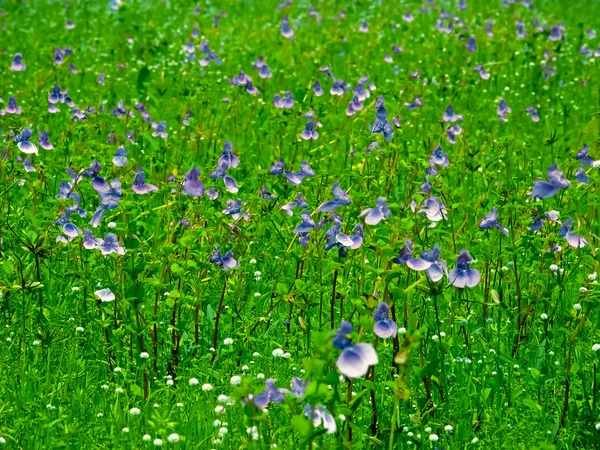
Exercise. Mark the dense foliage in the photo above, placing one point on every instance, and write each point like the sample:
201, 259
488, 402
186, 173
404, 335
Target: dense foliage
247, 224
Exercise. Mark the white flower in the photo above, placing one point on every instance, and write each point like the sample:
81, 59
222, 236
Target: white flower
228, 341
544, 316
252, 261
79, 329
36, 342
117, 369
99, 415
236, 380
260, 376
583, 290
577, 307
448, 428
244, 368
435, 337
134, 411
596, 164
597, 427
402, 330
147, 438
170, 382
428, 430
216, 423
179, 405
125, 430
592, 276
75, 288
219, 409
255, 354
277, 353
144, 355
595, 347
119, 390
434, 437
173, 437
475, 440
286, 355
158, 442
553, 267
111, 225
104, 386
222, 431
207, 387
193, 381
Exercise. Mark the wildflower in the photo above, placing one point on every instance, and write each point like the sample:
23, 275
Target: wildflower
595, 347
270, 394
228, 341
356, 359
225, 261
384, 326
320, 416
430, 262
377, 214
236, 380
193, 382
144, 355
174, 437
134, 411
464, 276
158, 442
491, 221
547, 189
105, 295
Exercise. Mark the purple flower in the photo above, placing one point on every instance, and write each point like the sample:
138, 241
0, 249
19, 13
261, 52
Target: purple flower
471, 47
235, 210
532, 111
450, 116
381, 125
299, 203
503, 110
298, 387
384, 326
286, 31
270, 394
317, 89
139, 185
306, 224
43, 141
355, 360
438, 157
574, 240
433, 210
320, 416
160, 129
463, 276
286, 102
416, 103
538, 222
340, 198
581, 176
225, 261
17, 63
192, 186
547, 189
110, 244
23, 143
120, 158
582, 155
429, 261
406, 253
309, 132
354, 241
89, 241
491, 221
27, 165
377, 214
482, 73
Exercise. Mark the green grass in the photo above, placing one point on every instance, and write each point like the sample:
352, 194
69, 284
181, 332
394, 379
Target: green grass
478, 367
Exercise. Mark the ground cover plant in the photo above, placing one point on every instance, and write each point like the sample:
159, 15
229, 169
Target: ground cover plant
252, 224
